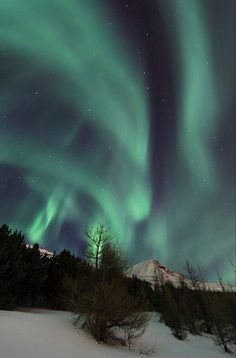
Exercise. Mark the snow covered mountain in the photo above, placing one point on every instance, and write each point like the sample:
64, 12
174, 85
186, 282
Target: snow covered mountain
42, 251
153, 271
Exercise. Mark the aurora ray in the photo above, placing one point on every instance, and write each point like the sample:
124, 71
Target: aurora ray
82, 102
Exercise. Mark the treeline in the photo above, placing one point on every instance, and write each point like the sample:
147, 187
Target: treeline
30, 278
104, 298
96, 289
193, 308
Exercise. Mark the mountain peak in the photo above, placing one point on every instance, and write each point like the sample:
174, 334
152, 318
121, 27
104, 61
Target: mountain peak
152, 270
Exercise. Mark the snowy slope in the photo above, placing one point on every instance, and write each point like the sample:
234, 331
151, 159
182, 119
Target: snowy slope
50, 334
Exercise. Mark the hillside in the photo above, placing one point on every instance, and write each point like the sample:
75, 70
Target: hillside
50, 334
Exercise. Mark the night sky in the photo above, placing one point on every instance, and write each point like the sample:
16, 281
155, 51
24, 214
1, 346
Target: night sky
120, 112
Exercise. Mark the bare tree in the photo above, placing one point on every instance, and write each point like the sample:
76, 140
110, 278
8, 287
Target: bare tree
192, 274
220, 281
107, 307
98, 237
233, 264
224, 333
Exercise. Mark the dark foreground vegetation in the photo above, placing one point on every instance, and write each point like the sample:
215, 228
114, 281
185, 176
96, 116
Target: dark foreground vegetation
111, 306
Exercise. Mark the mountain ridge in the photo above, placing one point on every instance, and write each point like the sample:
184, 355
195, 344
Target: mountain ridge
153, 271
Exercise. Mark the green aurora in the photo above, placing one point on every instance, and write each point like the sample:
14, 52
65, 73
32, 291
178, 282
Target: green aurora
75, 131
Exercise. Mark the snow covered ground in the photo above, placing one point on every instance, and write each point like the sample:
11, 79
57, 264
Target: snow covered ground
50, 334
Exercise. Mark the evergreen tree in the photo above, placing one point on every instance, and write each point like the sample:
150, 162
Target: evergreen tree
65, 273
12, 267
171, 314
36, 266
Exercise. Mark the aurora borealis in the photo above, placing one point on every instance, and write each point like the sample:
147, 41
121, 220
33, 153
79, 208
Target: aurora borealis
121, 112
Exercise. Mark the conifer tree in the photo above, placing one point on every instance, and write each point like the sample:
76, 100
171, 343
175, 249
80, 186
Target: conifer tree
12, 267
